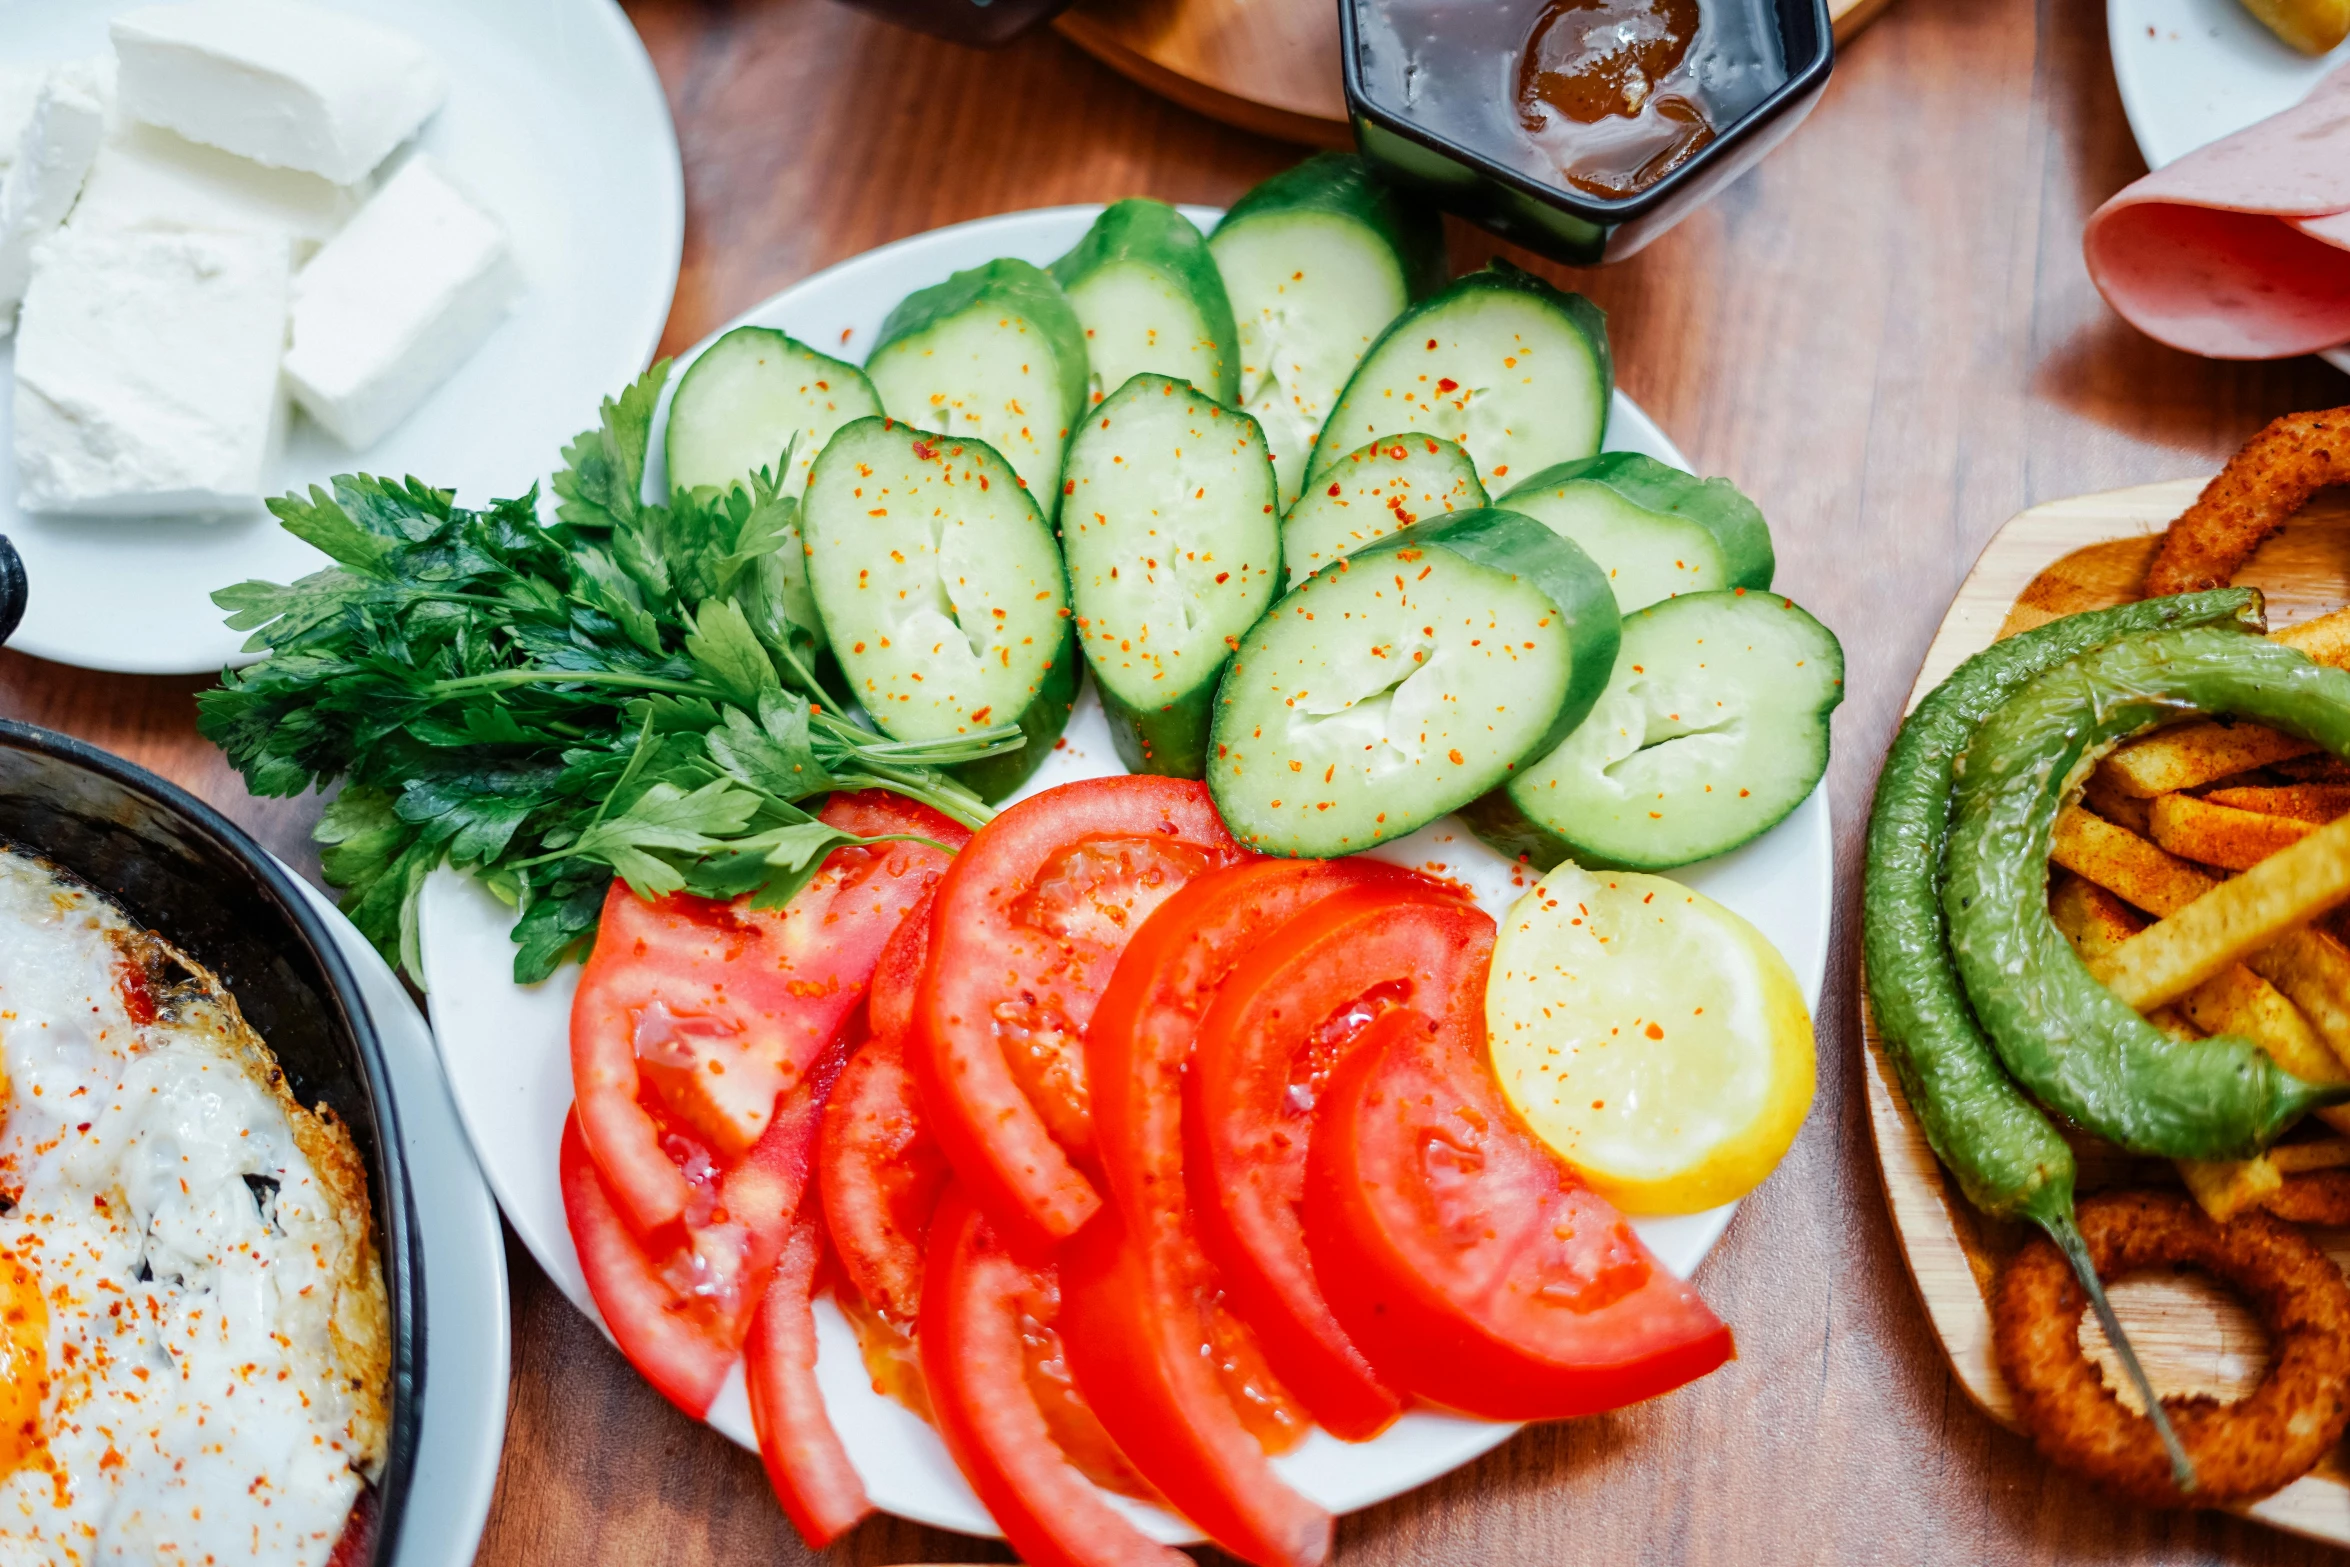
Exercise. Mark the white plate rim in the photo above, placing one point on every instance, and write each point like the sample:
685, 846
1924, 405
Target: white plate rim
83, 641
453, 929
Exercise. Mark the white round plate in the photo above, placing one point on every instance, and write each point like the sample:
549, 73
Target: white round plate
465, 1313
557, 124
2193, 71
507, 1047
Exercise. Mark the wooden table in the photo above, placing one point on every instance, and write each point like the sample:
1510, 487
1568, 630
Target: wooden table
1885, 334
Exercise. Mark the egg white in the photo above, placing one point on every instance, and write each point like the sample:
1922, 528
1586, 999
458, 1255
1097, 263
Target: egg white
201, 1403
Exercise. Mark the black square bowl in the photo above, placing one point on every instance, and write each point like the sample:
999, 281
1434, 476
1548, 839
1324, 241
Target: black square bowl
1483, 185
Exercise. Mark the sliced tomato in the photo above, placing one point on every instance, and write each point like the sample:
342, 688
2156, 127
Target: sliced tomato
694, 1018
897, 974
1467, 1260
1030, 920
806, 1464
975, 1359
882, 1172
1169, 1372
672, 1345
1286, 1014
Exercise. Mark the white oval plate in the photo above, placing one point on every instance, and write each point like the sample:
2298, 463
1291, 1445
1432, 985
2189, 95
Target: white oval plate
507, 1047
556, 123
464, 1270
2193, 71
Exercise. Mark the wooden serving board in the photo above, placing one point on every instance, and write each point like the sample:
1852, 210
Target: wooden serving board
2089, 553
1269, 66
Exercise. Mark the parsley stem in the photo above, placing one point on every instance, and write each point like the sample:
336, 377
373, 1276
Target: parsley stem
499, 679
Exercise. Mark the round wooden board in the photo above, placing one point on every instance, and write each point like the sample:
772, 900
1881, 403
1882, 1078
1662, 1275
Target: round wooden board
1269, 66
2088, 553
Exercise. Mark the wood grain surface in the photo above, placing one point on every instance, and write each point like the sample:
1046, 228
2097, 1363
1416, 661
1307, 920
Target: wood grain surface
1269, 66
2056, 559
1886, 336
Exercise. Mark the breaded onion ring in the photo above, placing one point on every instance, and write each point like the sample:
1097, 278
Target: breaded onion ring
2262, 485
2320, 1197
2241, 1450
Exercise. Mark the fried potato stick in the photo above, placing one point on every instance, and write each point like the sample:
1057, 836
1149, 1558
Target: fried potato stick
2231, 921
2310, 967
2221, 835
2306, 802
2193, 755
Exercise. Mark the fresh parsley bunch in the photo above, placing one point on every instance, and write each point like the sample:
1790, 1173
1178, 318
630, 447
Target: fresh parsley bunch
628, 691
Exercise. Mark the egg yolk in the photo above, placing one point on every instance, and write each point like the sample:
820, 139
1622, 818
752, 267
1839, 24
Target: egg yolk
24, 1364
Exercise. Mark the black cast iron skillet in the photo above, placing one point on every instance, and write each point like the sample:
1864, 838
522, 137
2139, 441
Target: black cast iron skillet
189, 874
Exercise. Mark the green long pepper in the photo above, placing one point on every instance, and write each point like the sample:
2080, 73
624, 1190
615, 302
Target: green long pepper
2000, 1148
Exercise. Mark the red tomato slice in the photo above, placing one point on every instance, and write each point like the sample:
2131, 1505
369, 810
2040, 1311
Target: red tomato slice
1029, 922
1138, 1293
693, 1018
1284, 1016
882, 1171
671, 1345
809, 1469
982, 1396
897, 974
1467, 1261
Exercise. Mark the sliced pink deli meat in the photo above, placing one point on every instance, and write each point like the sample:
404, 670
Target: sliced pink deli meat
2239, 250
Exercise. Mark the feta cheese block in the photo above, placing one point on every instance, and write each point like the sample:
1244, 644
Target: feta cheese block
395, 303
52, 157
147, 372
147, 178
284, 82
20, 86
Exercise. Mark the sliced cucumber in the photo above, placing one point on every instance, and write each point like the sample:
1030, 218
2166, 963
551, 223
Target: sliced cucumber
1713, 727
1173, 551
1654, 530
1511, 368
941, 591
1407, 680
750, 397
1317, 260
1150, 299
1371, 492
995, 353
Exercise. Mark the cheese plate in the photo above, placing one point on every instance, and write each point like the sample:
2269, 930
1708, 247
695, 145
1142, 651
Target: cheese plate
556, 125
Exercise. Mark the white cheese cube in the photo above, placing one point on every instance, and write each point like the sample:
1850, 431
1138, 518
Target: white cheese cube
283, 82
52, 156
146, 178
147, 372
20, 85
395, 303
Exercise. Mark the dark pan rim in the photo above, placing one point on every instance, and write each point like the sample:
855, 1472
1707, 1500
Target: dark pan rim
403, 1261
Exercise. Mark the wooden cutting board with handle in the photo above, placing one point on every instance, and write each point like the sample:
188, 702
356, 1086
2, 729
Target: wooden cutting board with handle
2058, 559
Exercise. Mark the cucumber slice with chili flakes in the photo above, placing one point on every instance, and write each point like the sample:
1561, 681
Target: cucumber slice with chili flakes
1713, 727
1173, 550
1655, 530
994, 353
1150, 299
1317, 261
941, 591
1373, 491
750, 398
1406, 680
1516, 371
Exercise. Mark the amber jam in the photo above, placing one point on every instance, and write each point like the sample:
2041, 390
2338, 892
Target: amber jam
1604, 82
1602, 97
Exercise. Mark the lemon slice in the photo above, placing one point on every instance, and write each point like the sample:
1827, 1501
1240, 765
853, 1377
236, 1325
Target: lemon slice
1654, 1039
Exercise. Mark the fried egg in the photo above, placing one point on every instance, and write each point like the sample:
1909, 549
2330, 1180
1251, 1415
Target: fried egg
194, 1337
